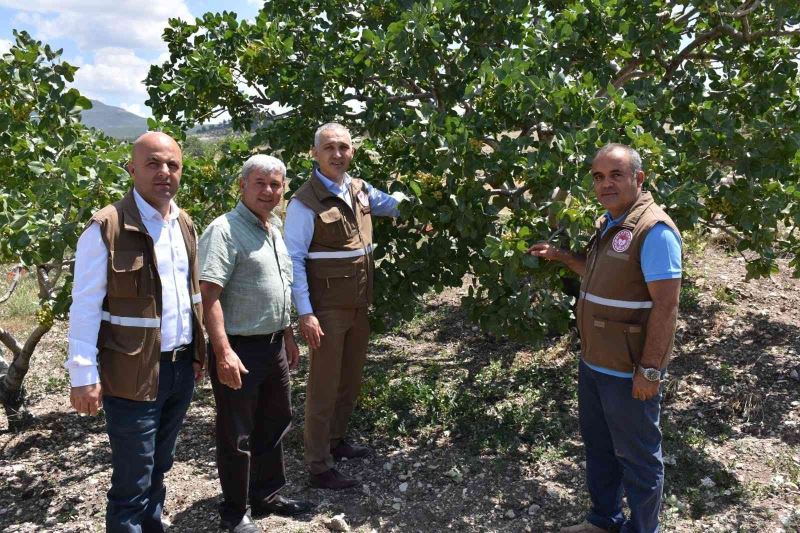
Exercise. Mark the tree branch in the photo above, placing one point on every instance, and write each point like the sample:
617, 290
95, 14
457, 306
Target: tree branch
622, 76
743, 10
22, 360
17, 270
45, 287
700, 40
511, 193
722, 228
10, 342
402, 97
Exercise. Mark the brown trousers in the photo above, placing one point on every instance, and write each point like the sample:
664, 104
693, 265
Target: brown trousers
334, 380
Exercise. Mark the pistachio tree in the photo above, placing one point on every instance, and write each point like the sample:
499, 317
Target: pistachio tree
54, 173
489, 113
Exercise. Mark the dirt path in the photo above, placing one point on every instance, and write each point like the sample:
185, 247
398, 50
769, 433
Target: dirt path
470, 435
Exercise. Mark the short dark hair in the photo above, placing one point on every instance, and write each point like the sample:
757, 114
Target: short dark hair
634, 158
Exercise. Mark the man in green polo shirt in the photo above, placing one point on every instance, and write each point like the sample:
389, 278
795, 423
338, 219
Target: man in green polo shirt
245, 277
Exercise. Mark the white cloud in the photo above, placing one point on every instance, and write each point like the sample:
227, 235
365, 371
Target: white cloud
94, 24
5, 46
137, 109
116, 75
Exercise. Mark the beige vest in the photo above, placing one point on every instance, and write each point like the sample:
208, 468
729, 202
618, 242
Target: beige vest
129, 342
340, 265
614, 302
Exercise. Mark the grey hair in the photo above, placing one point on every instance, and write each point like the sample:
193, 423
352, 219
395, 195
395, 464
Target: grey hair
634, 158
265, 163
325, 127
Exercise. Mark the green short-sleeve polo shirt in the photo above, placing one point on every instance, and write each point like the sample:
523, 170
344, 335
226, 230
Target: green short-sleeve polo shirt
251, 264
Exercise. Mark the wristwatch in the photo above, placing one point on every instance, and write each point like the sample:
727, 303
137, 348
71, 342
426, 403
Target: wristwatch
650, 374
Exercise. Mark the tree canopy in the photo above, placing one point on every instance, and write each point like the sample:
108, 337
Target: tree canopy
488, 113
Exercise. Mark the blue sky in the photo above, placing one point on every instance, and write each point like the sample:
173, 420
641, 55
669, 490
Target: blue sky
113, 42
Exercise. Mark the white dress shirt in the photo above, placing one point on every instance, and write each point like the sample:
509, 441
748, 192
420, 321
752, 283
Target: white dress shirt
89, 290
299, 229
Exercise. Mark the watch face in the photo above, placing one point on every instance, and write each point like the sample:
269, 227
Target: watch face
651, 374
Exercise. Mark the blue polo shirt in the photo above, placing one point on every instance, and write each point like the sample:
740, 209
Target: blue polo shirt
660, 258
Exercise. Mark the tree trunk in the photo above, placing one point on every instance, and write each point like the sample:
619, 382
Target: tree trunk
13, 402
12, 393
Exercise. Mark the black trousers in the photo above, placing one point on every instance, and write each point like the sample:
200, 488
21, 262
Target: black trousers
250, 424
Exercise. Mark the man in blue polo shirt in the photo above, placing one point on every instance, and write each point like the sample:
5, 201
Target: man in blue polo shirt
627, 313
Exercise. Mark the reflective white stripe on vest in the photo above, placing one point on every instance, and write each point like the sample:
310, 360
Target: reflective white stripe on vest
197, 298
341, 255
131, 321
627, 304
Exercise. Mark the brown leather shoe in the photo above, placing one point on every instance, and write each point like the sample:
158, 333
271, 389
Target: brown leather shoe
331, 479
345, 450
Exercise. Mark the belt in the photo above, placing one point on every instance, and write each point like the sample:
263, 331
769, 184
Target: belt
269, 338
177, 354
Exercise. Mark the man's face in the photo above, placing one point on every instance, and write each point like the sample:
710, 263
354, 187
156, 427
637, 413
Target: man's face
615, 184
261, 192
334, 152
156, 167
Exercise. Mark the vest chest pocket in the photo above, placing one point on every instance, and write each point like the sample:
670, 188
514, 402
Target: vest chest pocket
126, 280
333, 227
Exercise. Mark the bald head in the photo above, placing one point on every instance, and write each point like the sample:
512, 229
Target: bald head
156, 166
152, 139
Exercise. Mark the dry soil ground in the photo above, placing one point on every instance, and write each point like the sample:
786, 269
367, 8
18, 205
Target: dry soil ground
475, 434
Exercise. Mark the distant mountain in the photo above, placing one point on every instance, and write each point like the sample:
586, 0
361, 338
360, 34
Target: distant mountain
114, 121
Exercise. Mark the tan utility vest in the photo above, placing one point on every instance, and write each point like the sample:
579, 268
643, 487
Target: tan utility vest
614, 302
340, 265
129, 342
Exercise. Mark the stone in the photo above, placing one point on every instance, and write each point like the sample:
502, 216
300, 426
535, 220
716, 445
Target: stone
337, 523
533, 509
403, 486
510, 514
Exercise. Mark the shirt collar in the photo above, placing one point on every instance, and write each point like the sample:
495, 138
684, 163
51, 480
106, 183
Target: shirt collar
249, 216
331, 185
149, 212
611, 221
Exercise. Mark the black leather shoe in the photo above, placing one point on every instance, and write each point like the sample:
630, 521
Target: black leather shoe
280, 506
331, 479
346, 450
245, 525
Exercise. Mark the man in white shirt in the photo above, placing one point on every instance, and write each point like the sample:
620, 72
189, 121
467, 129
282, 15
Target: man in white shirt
136, 343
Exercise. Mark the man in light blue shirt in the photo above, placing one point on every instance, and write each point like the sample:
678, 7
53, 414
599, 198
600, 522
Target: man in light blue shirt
627, 312
328, 234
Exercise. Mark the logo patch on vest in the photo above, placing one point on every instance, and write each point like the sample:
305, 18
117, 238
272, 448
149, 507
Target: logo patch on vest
622, 240
363, 198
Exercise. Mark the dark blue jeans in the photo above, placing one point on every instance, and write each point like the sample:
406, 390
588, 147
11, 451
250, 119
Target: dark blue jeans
622, 439
142, 436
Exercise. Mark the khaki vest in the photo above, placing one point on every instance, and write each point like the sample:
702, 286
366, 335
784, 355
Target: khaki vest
340, 265
614, 302
129, 341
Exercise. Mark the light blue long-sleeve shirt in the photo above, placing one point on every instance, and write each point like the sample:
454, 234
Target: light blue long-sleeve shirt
299, 229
